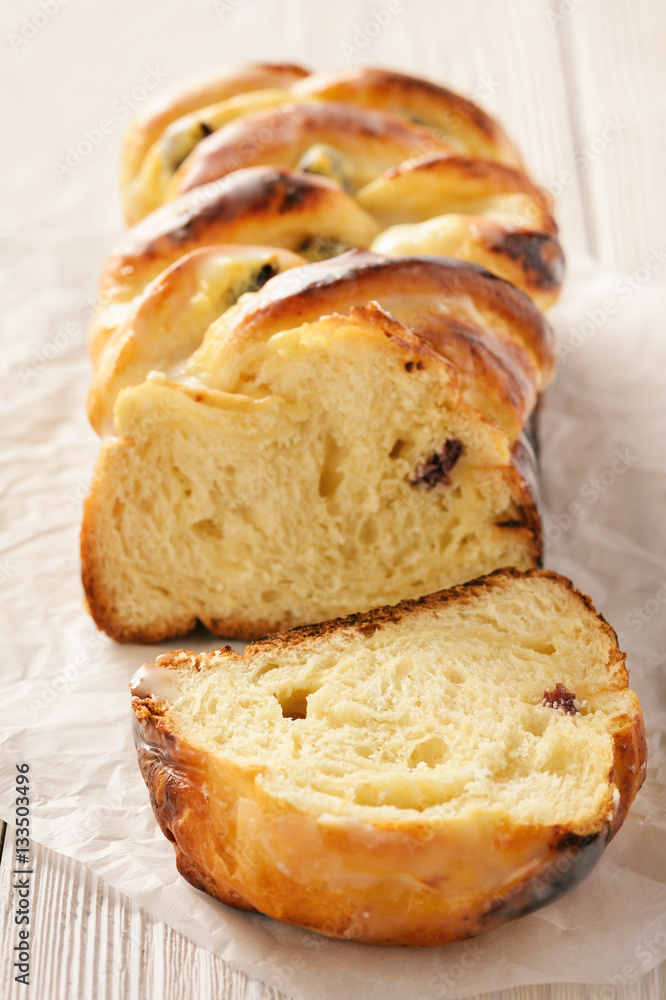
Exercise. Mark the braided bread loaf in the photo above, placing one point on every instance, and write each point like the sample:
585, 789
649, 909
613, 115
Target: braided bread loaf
407, 150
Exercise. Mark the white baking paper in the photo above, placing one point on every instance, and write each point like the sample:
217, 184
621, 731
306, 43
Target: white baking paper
65, 705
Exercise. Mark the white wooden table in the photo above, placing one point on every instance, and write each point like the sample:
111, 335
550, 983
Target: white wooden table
581, 85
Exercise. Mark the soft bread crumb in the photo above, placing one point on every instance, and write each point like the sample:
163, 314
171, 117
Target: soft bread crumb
435, 713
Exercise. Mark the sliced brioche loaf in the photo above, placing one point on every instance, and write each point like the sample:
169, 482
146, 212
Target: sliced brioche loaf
414, 775
317, 455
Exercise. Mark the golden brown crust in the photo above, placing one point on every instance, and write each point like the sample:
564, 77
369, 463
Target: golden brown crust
451, 115
280, 136
377, 617
445, 177
387, 134
262, 205
166, 322
514, 238
409, 288
151, 120
409, 883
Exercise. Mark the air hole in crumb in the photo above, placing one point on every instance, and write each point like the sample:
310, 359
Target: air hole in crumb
331, 473
545, 648
368, 532
431, 752
265, 669
294, 704
397, 448
207, 530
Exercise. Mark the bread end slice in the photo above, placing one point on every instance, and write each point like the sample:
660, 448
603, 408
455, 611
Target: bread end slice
414, 775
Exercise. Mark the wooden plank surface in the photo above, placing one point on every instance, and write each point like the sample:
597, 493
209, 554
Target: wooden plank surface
93, 943
581, 86
614, 55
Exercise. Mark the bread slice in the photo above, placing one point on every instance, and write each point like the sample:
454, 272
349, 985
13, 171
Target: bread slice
414, 775
316, 456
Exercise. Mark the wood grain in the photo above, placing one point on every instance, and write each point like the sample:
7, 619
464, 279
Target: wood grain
613, 57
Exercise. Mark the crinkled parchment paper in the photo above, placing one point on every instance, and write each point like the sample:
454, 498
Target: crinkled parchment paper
65, 703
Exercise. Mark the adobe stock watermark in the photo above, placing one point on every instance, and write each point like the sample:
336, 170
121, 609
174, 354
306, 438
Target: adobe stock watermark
624, 289
73, 501
450, 120
41, 357
591, 491
31, 25
449, 980
565, 9
645, 955
365, 34
583, 157
48, 691
7, 569
641, 614
225, 7
120, 111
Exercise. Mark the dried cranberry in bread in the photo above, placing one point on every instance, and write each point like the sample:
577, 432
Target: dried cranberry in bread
401, 777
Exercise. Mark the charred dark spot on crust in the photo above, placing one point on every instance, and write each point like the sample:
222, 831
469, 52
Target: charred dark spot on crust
435, 470
574, 842
268, 192
292, 195
539, 255
577, 856
514, 522
560, 698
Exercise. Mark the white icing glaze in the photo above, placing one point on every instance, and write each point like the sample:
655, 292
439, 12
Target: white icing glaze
151, 681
